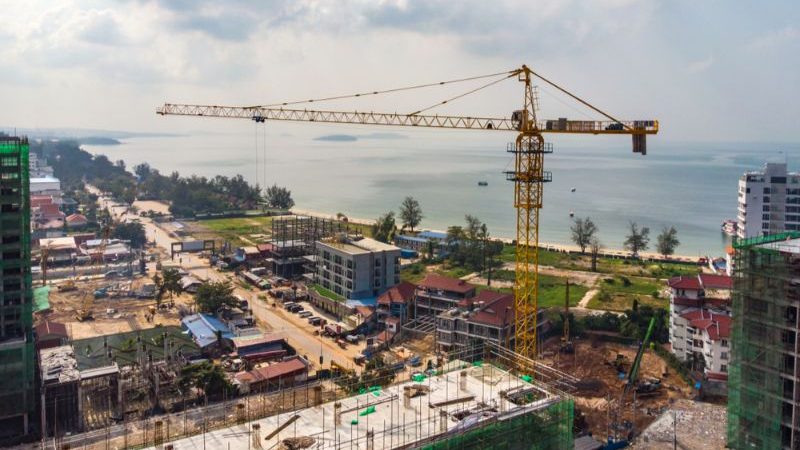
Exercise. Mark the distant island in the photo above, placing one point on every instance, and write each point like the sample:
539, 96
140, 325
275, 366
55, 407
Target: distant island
337, 138
98, 140
351, 138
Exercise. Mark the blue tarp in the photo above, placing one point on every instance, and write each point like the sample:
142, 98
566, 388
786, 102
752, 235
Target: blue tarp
203, 329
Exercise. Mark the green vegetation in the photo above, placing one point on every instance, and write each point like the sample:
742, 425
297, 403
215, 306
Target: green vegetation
619, 293
278, 197
208, 377
605, 264
552, 289
327, 293
231, 229
385, 227
410, 213
212, 296
130, 231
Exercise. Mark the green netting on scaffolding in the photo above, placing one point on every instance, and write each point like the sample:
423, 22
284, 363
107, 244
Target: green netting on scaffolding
368, 411
761, 307
548, 429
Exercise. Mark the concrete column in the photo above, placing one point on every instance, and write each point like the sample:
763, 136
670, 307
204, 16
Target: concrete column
370, 440
317, 395
337, 413
462, 380
442, 421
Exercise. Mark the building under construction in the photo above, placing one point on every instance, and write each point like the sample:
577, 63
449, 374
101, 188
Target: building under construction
763, 391
483, 397
17, 363
293, 240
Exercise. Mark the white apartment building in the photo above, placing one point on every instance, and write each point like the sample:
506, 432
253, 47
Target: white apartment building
700, 321
769, 201
357, 268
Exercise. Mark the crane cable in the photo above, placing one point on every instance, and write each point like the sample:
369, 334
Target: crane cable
578, 99
388, 91
464, 94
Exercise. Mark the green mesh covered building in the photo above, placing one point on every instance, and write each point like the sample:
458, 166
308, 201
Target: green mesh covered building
763, 387
17, 398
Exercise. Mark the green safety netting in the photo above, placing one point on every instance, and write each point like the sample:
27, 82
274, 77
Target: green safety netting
367, 411
41, 299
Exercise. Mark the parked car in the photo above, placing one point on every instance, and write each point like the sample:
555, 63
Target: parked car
288, 305
111, 274
296, 309
316, 321
306, 314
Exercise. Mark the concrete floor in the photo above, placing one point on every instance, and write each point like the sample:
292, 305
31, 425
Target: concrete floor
394, 421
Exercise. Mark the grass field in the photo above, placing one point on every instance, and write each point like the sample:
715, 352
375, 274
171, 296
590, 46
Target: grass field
618, 292
574, 261
622, 302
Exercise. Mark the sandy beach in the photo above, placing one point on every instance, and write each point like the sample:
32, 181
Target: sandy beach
554, 247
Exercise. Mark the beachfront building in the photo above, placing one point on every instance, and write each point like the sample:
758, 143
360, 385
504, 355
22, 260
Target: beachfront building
700, 322
769, 201
394, 305
356, 267
436, 294
489, 316
423, 242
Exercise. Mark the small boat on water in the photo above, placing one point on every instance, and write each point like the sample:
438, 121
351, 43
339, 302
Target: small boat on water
572, 213
483, 183
572, 190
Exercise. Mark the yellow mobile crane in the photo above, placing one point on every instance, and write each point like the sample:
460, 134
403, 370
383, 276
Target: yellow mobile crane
529, 150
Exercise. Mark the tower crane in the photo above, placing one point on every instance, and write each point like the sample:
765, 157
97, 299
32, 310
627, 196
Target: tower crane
528, 149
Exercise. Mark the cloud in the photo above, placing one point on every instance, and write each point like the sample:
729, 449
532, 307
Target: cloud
774, 38
701, 65
101, 27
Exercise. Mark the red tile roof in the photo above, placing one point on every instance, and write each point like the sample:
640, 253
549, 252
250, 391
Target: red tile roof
701, 281
439, 282
498, 311
711, 281
76, 218
718, 326
687, 282
40, 200
400, 293
291, 367
264, 248
364, 311
47, 328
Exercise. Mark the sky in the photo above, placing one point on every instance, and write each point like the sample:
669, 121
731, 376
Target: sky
708, 70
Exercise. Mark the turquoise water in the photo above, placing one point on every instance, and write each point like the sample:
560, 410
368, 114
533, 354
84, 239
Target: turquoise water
690, 186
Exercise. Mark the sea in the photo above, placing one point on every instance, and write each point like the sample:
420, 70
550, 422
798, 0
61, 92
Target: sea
363, 174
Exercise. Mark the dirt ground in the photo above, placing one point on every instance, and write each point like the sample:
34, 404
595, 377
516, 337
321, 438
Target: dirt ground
601, 388
152, 205
128, 313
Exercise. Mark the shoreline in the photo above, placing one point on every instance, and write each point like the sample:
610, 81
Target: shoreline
567, 248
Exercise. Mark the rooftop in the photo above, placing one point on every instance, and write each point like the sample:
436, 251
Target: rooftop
204, 327
58, 365
399, 293
718, 326
443, 283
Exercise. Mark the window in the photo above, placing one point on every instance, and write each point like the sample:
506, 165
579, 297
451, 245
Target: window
326, 255
766, 190
724, 343
9, 161
765, 217
766, 208
723, 368
723, 355
766, 199
778, 180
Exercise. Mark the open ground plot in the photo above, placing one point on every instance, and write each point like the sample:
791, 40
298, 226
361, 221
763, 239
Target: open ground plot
112, 314
600, 389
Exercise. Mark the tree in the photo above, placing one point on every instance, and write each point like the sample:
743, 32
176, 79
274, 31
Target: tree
159, 282
594, 247
206, 376
384, 227
638, 239
171, 282
583, 231
410, 213
210, 297
667, 241
130, 231
279, 197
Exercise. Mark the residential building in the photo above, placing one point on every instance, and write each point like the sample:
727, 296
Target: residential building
17, 358
700, 320
423, 242
396, 303
38, 168
489, 316
357, 268
45, 186
764, 371
769, 201
208, 332
76, 220
436, 294
275, 376
51, 334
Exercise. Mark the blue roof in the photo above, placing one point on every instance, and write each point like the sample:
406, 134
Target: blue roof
432, 235
203, 328
407, 238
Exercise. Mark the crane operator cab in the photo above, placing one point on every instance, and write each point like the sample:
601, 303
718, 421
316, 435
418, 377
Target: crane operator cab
516, 119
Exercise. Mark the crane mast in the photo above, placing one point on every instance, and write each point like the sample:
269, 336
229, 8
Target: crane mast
528, 175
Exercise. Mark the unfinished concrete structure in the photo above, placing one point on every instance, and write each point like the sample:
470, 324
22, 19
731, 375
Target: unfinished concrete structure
763, 387
484, 397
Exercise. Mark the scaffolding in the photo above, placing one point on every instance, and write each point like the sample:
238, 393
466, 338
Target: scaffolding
17, 364
294, 240
761, 388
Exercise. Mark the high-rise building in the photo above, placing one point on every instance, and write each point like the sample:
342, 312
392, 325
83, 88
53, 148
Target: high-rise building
17, 366
357, 268
764, 370
769, 201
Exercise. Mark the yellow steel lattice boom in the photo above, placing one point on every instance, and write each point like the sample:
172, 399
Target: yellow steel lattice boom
528, 174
